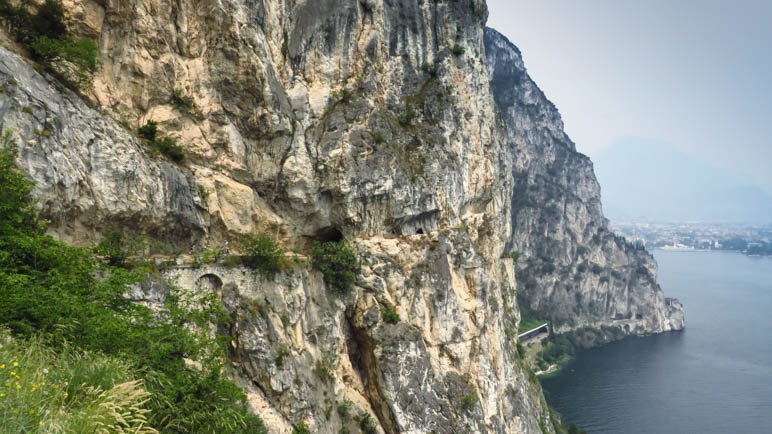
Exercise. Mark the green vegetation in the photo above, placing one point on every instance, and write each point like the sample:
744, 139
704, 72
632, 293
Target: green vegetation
457, 50
112, 248
378, 137
77, 303
367, 424
262, 253
44, 34
323, 371
515, 255
430, 68
390, 315
470, 401
346, 95
528, 324
407, 117
344, 409
301, 429
558, 350
68, 391
148, 131
163, 145
181, 101
338, 262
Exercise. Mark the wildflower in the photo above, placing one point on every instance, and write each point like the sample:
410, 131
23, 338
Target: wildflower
2, 395
45, 371
13, 373
2, 366
32, 412
41, 422
15, 364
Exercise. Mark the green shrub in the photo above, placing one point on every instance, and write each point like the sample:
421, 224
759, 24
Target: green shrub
346, 95
390, 315
113, 248
164, 145
280, 356
262, 253
520, 350
338, 263
181, 101
469, 402
301, 428
367, 424
515, 255
429, 68
148, 131
344, 408
168, 147
378, 137
67, 295
406, 117
457, 50
323, 371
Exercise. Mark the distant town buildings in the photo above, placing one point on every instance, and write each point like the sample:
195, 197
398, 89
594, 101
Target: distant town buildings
751, 240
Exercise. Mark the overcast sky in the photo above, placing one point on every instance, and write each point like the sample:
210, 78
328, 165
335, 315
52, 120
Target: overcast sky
693, 74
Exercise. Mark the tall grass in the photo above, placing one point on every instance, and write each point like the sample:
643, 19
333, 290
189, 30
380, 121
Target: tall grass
67, 391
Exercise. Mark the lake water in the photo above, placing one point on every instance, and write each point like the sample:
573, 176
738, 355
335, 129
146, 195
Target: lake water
714, 377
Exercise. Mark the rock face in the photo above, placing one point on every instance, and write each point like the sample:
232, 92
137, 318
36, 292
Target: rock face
90, 173
573, 270
372, 120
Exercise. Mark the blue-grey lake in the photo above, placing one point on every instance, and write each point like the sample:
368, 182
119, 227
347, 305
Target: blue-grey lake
714, 377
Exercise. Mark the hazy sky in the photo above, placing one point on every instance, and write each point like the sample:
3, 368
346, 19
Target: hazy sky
695, 74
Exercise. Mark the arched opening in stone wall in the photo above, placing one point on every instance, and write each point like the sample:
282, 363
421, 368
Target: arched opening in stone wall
209, 282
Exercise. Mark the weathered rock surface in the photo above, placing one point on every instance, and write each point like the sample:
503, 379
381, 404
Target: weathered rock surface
573, 270
91, 173
445, 365
312, 120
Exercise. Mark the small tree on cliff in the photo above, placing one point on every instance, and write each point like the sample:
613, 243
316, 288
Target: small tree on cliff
338, 263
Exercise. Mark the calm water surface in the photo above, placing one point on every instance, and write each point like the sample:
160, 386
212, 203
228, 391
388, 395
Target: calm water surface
714, 377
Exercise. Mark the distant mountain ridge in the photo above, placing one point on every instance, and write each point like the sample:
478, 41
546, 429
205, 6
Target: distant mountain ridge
650, 181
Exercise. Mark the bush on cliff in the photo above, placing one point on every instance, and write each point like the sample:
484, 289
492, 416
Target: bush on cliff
262, 253
164, 145
65, 294
338, 263
44, 34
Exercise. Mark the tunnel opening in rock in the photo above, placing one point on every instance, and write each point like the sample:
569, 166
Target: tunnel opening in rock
209, 282
328, 234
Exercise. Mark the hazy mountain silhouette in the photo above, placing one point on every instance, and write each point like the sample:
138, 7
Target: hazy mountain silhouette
649, 181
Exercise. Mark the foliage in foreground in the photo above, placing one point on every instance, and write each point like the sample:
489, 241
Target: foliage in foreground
68, 390
65, 294
338, 263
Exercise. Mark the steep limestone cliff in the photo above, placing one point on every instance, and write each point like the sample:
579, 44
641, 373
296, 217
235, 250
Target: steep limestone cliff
372, 120
311, 120
573, 271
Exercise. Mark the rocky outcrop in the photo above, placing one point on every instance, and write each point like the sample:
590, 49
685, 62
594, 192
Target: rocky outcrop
311, 120
90, 172
572, 270
445, 364
370, 120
